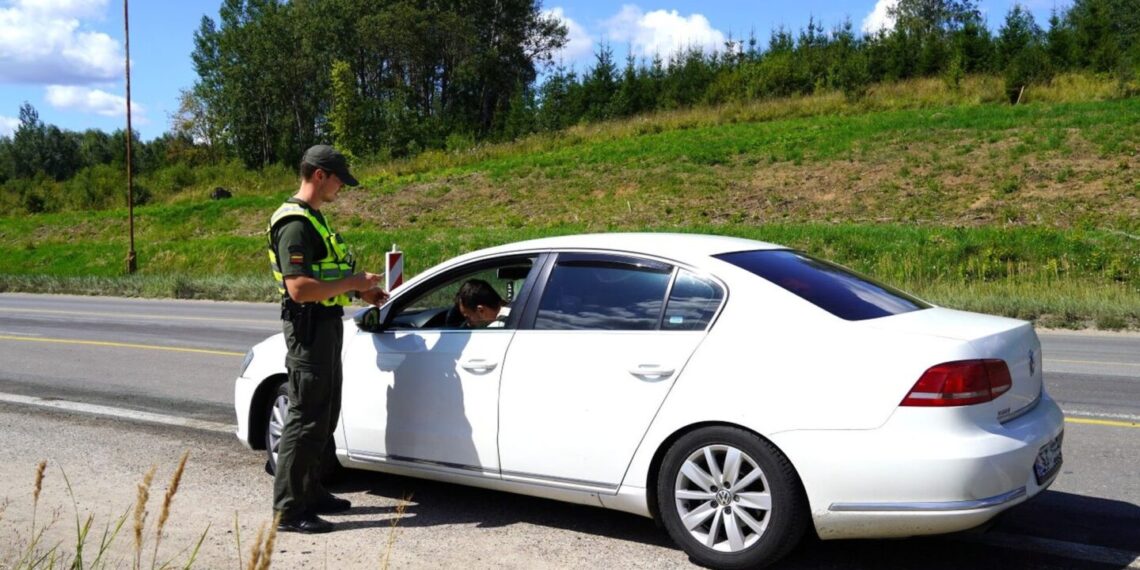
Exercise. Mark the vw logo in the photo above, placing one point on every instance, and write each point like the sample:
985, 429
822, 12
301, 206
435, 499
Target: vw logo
1032, 365
724, 497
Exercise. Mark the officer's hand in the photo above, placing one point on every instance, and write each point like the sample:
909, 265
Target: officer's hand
365, 281
375, 296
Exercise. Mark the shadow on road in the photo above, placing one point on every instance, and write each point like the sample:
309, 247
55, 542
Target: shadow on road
435, 503
1076, 518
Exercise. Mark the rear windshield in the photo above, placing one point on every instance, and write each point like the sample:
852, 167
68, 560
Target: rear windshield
830, 287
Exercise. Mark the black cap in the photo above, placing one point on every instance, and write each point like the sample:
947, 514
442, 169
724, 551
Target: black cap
327, 158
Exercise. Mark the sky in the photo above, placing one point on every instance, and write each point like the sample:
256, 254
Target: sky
67, 57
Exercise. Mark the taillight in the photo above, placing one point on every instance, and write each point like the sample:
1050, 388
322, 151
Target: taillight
960, 383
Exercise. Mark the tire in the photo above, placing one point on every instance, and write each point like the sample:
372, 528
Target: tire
720, 520
275, 414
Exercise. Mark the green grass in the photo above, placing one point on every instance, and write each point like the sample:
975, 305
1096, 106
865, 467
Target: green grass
1030, 211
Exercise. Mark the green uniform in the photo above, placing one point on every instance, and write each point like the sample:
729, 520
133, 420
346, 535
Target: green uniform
301, 243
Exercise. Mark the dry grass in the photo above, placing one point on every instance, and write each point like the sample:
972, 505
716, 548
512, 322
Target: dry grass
261, 551
166, 502
142, 496
401, 508
36, 556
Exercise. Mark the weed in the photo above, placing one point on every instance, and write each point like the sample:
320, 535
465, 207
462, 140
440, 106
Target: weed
401, 508
1009, 185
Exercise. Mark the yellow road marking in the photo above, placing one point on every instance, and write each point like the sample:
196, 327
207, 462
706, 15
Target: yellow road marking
121, 345
1093, 362
1112, 423
137, 316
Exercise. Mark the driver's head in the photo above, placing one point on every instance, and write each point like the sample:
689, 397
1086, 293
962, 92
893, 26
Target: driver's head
478, 302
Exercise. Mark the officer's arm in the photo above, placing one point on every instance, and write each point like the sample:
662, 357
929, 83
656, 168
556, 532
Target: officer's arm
305, 289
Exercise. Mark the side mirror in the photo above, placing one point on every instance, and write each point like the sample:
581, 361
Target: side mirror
369, 319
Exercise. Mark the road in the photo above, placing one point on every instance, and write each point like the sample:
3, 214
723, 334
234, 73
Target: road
178, 359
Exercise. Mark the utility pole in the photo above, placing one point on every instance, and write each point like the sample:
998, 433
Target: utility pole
132, 264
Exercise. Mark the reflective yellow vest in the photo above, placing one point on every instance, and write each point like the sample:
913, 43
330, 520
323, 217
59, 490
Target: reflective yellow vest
336, 264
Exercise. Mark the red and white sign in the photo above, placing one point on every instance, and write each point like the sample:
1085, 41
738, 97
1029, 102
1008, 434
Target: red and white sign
393, 269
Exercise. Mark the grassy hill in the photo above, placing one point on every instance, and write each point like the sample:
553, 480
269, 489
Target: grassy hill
1030, 211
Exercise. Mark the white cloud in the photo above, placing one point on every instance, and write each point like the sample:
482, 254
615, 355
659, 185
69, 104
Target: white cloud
44, 41
95, 101
8, 126
662, 32
879, 19
578, 43
64, 8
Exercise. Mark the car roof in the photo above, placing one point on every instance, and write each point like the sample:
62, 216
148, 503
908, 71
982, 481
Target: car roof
666, 245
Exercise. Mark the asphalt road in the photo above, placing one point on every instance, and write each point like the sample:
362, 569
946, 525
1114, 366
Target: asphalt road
179, 358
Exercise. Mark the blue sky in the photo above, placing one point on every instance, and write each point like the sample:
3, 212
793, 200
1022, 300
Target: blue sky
65, 57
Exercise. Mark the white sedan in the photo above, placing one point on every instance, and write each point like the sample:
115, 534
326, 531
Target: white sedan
739, 392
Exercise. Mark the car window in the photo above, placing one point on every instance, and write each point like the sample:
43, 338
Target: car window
692, 303
433, 305
830, 287
597, 295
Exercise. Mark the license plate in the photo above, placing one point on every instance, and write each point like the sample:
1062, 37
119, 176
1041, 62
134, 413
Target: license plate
1048, 459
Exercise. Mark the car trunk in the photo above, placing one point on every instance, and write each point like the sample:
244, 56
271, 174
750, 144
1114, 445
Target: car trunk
1011, 340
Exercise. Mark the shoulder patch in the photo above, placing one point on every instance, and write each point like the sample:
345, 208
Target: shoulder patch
296, 254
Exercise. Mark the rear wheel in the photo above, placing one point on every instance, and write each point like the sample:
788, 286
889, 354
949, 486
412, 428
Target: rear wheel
730, 499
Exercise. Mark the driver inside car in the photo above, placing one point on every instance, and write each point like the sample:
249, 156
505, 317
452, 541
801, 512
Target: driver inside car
481, 306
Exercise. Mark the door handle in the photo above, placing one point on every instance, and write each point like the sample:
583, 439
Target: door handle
651, 372
478, 365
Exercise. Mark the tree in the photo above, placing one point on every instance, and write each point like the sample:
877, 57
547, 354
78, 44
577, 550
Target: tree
28, 143
1021, 53
198, 127
599, 84
1106, 33
421, 69
348, 112
920, 39
1060, 42
847, 69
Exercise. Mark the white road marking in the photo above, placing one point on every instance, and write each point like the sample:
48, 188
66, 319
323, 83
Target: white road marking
1123, 559
118, 413
19, 334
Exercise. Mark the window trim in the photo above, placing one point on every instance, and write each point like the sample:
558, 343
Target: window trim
631, 259
522, 298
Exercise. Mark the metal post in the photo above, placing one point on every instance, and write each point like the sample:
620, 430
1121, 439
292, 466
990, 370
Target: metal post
131, 260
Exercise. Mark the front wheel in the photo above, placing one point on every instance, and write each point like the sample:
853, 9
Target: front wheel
730, 499
275, 415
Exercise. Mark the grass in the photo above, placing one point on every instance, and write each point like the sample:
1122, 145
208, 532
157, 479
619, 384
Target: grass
36, 555
949, 194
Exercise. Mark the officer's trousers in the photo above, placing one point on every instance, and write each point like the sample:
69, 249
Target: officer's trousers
314, 406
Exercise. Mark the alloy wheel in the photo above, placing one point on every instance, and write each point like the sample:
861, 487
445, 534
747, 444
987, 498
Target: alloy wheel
723, 498
277, 414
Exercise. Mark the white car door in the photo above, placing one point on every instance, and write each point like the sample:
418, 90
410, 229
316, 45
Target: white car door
426, 391
582, 385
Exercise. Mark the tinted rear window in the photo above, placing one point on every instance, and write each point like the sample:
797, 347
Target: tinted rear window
602, 296
830, 287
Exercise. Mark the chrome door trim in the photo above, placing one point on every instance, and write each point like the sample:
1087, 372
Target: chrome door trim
483, 473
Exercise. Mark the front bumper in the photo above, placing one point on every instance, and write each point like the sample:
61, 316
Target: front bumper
244, 389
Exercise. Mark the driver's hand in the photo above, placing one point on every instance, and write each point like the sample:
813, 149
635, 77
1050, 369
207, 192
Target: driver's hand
374, 296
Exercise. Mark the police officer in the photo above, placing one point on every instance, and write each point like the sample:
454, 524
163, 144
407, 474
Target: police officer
315, 275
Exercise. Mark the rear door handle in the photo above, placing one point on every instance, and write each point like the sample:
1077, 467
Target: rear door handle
651, 372
478, 365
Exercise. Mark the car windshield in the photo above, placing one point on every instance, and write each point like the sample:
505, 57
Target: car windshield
830, 287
